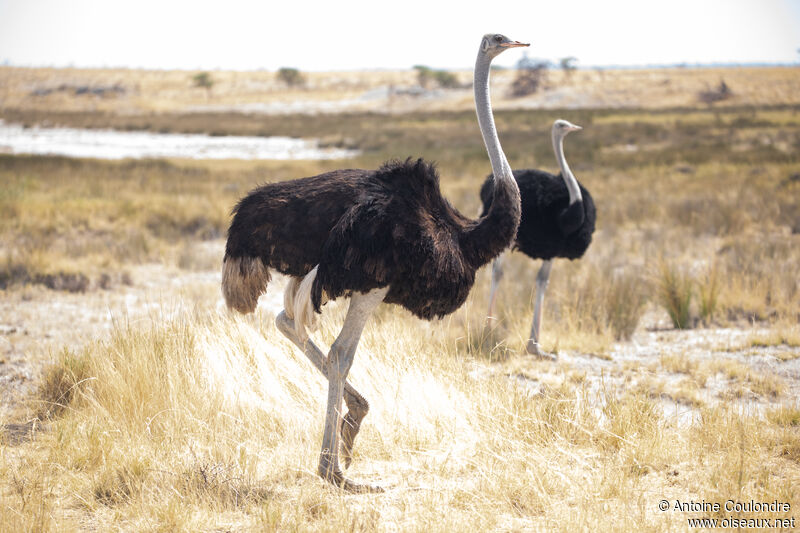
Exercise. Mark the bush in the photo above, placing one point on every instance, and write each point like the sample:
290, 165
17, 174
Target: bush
531, 76
291, 77
204, 81
428, 77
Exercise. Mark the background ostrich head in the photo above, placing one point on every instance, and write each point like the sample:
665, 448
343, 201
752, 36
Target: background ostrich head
495, 43
562, 127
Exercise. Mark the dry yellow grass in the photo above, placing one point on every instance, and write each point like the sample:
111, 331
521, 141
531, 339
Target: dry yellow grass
209, 422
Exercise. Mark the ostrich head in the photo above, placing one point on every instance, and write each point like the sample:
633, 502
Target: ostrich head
562, 127
493, 44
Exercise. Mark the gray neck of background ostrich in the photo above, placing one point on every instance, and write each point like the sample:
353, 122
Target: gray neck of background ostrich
566, 173
483, 105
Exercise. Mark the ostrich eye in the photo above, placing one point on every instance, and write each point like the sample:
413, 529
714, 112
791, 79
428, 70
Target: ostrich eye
498, 38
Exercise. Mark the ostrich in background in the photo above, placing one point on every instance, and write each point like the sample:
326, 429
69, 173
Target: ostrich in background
385, 235
558, 218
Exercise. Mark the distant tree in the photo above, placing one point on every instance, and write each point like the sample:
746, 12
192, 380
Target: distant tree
531, 76
205, 81
291, 77
567, 64
424, 75
427, 77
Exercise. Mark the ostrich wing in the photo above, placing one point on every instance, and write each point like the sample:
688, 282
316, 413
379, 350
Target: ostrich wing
571, 218
358, 254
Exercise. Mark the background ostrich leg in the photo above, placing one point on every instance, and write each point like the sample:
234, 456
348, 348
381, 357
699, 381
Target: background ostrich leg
357, 405
497, 275
340, 359
541, 286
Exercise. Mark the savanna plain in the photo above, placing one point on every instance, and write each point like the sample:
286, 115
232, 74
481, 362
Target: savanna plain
133, 400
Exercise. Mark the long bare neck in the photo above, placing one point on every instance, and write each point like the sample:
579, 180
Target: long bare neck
483, 105
566, 173
488, 236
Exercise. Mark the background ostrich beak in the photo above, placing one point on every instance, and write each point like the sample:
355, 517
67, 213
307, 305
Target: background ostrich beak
514, 44
575, 127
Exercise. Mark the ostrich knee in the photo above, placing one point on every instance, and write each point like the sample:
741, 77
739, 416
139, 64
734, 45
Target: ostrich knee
357, 405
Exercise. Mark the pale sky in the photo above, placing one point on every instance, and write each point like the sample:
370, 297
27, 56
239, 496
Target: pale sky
370, 34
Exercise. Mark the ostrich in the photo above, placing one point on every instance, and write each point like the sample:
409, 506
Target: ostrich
373, 235
558, 217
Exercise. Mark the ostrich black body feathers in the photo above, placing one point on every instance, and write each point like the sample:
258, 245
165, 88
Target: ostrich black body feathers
366, 229
549, 226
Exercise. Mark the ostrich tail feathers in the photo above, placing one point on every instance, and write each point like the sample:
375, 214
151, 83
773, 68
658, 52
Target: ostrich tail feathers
244, 279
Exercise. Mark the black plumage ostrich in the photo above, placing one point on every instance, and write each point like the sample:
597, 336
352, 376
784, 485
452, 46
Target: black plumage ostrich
558, 218
374, 235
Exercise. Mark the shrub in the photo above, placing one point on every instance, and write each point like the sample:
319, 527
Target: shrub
531, 76
428, 77
291, 77
204, 81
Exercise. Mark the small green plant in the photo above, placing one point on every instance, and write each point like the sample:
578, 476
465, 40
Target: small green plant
291, 77
675, 294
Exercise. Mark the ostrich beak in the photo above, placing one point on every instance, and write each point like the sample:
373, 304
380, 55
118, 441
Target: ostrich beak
513, 44
575, 127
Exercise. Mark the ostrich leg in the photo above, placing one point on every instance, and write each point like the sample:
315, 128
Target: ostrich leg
357, 405
541, 286
497, 275
340, 359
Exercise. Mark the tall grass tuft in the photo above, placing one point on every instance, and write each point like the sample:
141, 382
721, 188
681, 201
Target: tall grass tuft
675, 294
708, 289
625, 300
61, 382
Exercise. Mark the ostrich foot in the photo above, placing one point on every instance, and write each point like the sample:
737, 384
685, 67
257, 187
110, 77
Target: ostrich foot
330, 472
348, 429
533, 349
